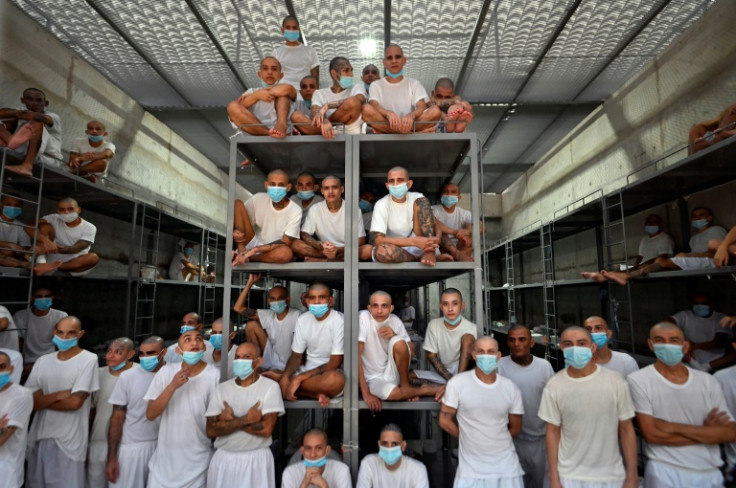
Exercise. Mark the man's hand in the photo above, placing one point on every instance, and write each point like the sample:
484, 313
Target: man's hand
631, 482
407, 124
440, 393
721, 257
728, 321
265, 96
252, 278
62, 395
386, 332
112, 470
329, 250
227, 412
374, 403
427, 244
717, 418
394, 121
4, 421
313, 477
284, 385
254, 414
319, 117
181, 377
328, 131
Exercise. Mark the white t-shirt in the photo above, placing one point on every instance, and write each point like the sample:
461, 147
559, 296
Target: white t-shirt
336, 475
727, 379
530, 380
70, 430
9, 336
622, 363
16, 404
688, 403
305, 210
37, 332
182, 438
265, 112
52, 135
458, 219
241, 399
173, 357
400, 98
394, 219
486, 448
703, 329
296, 62
320, 339
375, 351
103, 409
367, 219
68, 236
16, 361
407, 315
329, 226
129, 391
13, 232
209, 357
81, 145
270, 224
589, 410
373, 473
445, 342
699, 241
652, 247
176, 266
326, 95
280, 332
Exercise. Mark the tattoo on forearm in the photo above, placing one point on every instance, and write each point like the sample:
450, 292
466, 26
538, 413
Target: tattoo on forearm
440, 367
120, 408
256, 425
372, 236
425, 216
311, 241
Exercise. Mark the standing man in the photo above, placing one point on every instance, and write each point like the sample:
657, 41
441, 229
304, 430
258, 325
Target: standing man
190, 321
16, 405
297, 59
62, 383
179, 394
588, 411
36, 326
241, 417
316, 469
216, 341
131, 439
390, 468
488, 409
682, 415
529, 373
620, 362
408, 314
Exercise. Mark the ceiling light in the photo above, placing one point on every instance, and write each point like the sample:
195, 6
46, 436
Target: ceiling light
367, 47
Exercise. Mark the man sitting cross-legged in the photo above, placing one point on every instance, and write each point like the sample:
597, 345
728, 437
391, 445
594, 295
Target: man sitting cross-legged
457, 233
385, 350
266, 223
456, 112
326, 222
14, 241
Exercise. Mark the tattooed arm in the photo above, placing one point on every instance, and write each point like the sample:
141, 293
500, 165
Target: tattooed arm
435, 361
311, 241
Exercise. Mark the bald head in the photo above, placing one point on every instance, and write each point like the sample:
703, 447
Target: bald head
320, 286
71, 322
69, 200
595, 324
248, 350
123, 343
399, 169
155, 340
485, 343
315, 434
666, 327
4, 360
382, 294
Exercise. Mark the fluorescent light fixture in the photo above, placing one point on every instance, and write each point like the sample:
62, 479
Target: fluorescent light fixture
367, 47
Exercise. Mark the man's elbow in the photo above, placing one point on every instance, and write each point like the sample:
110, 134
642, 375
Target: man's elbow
731, 433
151, 414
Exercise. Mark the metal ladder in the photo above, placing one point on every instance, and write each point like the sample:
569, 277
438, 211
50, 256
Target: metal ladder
208, 260
619, 297
511, 292
145, 294
551, 348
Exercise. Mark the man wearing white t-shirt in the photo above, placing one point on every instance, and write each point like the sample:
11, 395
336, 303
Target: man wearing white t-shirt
14, 240
266, 224
326, 222
341, 103
90, 155
457, 238
403, 226
179, 394
488, 409
709, 347
16, 361
16, 405
319, 333
390, 468
316, 469
264, 111
66, 237
529, 373
241, 416
682, 414
305, 198
449, 340
727, 379
385, 352
190, 321
397, 104
297, 59
456, 112
656, 244
216, 341
62, 383
118, 357
8, 330
588, 411
620, 362
36, 326
131, 438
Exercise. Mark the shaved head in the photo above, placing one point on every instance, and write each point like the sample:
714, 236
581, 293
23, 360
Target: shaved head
401, 169
70, 320
278, 172
665, 326
596, 320
320, 286
516, 327
380, 293
153, 340
576, 328
316, 432
486, 341
123, 343
69, 200
246, 347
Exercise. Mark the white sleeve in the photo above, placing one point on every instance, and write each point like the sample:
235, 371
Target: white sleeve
338, 340
363, 322
314, 58
318, 99
361, 226
641, 401
290, 477
430, 341
89, 379
716, 397
379, 221
32, 382
623, 402
365, 476
375, 93
20, 411
294, 223
215, 405
90, 231
420, 94
77, 145
420, 478
667, 246
119, 395
272, 402
548, 408
451, 398
309, 226
342, 476
299, 342
111, 147
358, 89
517, 406
158, 384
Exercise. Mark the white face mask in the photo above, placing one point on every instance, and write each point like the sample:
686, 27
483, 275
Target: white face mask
69, 217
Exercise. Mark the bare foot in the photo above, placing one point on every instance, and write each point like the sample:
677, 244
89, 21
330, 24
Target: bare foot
465, 116
454, 112
616, 276
429, 258
594, 276
323, 400
21, 169
413, 399
91, 178
42, 268
309, 259
239, 258
278, 131
444, 258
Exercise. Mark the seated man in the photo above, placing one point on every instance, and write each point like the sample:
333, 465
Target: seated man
307, 86
320, 334
266, 224
398, 105
66, 237
699, 257
385, 351
89, 155
459, 223
403, 226
185, 264
272, 328
366, 201
14, 241
264, 111
326, 222
316, 469
709, 132
370, 74
620, 362
390, 468
16, 405
341, 103
33, 132
456, 112
306, 186
190, 321
724, 248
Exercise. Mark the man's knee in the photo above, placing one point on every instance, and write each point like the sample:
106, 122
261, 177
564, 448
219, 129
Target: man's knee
369, 112
352, 105
252, 327
93, 258
234, 109
385, 253
467, 341
433, 113
334, 381
282, 254
398, 346
365, 252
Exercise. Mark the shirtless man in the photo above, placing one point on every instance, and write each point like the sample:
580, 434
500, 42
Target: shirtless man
456, 112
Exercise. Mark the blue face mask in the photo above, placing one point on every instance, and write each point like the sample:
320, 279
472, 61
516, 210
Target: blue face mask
390, 455
277, 193
64, 344
669, 354
486, 362
454, 321
578, 357
316, 463
398, 191
449, 200
186, 328
600, 338
149, 363
119, 366
266, 85
216, 341
392, 75
4, 379
277, 307
12, 212
291, 35
346, 82
42, 303
242, 368
319, 310
96, 138
188, 251
365, 205
651, 229
308, 104
699, 224
192, 357
305, 195
701, 310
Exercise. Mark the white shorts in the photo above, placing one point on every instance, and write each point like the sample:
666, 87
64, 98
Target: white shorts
133, 461
688, 263
96, 464
513, 482
568, 483
49, 467
383, 385
533, 459
271, 360
662, 475
254, 469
